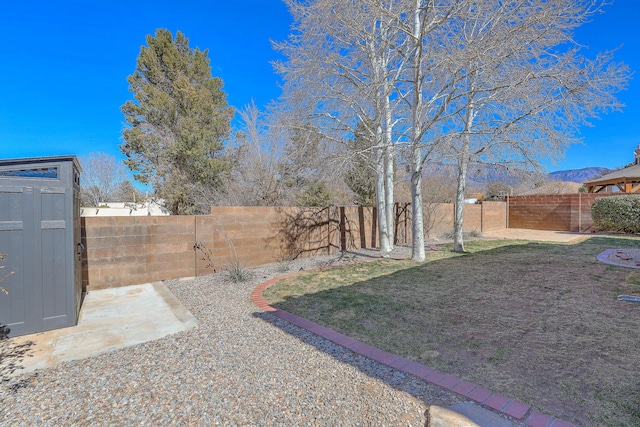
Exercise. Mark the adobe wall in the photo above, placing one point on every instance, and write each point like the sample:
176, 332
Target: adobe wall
557, 212
125, 251
439, 218
494, 216
260, 235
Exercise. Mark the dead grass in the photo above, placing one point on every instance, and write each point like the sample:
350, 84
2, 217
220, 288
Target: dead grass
537, 322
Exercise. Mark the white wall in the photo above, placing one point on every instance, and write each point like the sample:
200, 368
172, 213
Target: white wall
125, 209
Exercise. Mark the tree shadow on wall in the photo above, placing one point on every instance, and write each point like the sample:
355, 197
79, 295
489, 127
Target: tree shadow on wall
324, 231
402, 223
309, 231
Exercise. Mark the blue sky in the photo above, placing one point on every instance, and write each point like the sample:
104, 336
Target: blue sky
63, 68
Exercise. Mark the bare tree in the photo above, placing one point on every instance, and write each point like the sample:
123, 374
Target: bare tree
128, 193
497, 190
426, 89
525, 88
102, 176
341, 67
255, 178
278, 159
492, 82
438, 187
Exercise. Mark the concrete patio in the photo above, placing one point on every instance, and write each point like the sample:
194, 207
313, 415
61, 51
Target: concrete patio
109, 319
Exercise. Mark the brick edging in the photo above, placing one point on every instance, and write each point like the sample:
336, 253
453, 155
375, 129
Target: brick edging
486, 398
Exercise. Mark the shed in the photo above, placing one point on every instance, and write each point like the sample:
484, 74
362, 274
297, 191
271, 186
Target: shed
41, 237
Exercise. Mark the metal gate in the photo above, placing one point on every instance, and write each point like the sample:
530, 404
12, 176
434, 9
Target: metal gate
40, 235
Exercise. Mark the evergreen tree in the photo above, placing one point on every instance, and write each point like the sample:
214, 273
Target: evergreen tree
315, 195
178, 121
360, 178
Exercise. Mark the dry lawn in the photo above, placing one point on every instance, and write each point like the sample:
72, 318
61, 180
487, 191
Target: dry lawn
537, 322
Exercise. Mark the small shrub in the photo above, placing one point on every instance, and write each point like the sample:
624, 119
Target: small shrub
206, 253
473, 234
235, 269
284, 264
617, 213
237, 272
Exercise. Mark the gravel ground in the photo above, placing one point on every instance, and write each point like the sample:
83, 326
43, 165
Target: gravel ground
238, 366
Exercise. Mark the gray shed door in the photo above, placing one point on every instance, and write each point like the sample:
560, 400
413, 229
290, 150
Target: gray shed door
32, 234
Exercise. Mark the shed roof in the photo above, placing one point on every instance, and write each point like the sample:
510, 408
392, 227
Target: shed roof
36, 160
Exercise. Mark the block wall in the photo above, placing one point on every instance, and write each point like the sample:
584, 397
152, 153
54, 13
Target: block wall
439, 218
557, 212
494, 215
125, 251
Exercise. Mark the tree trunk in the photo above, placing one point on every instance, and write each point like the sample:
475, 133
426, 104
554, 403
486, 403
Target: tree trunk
389, 154
463, 163
388, 195
380, 202
417, 226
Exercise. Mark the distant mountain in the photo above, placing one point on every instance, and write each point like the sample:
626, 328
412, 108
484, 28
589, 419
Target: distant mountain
480, 175
477, 174
579, 175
